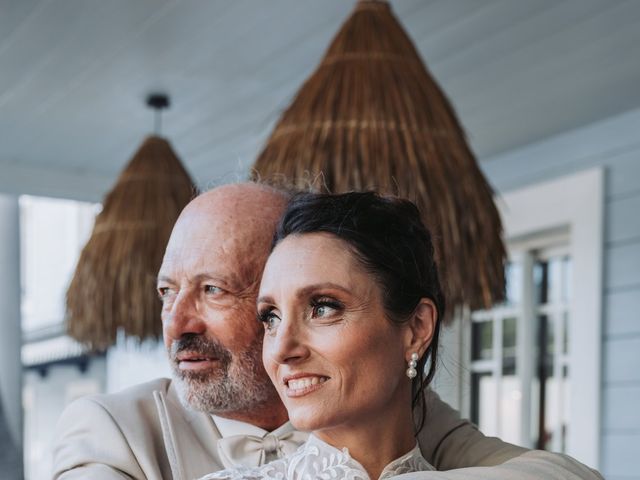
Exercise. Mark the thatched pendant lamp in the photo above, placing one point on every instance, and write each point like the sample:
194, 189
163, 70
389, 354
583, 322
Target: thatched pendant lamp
114, 285
372, 117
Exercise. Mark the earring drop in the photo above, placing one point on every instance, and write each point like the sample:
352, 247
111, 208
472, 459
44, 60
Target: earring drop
413, 363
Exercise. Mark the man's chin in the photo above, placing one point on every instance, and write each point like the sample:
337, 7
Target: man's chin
203, 372
193, 392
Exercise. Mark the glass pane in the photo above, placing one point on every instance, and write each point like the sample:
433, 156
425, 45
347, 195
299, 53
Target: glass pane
484, 405
540, 282
509, 345
545, 337
555, 429
534, 424
566, 405
53, 233
566, 279
510, 409
565, 327
551, 413
513, 277
554, 281
551, 341
482, 340
547, 392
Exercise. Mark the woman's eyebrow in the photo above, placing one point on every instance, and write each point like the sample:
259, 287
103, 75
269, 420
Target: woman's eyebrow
306, 291
309, 289
266, 299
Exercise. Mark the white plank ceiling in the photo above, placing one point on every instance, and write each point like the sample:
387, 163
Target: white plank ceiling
74, 75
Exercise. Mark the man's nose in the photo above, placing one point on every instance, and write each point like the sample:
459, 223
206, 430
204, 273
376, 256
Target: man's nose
289, 344
183, 317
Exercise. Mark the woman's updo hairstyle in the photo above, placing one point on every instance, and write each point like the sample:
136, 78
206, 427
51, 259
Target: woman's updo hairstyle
390, 241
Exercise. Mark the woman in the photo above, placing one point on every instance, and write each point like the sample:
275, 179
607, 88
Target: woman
350, 301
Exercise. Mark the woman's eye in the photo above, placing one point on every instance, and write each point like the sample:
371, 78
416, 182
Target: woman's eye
325, 308
269, 320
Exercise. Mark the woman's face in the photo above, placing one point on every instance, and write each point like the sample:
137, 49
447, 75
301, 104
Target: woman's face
332, 354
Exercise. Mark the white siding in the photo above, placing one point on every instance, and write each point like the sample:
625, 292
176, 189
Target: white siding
612, 144
622, 308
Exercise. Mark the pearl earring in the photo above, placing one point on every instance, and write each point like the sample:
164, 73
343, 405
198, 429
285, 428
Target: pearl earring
413, 363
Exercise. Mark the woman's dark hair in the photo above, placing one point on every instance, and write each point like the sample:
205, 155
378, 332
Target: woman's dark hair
389, 239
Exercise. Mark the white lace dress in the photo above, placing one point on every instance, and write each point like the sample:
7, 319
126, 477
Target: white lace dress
316, 459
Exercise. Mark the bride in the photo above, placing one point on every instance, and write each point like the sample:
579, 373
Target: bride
351, 303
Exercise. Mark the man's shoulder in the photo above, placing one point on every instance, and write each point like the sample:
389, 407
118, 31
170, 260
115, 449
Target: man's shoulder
139, 431
132, 408
141, 393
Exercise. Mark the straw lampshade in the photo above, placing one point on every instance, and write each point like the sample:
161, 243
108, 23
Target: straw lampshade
372, 117
113, 288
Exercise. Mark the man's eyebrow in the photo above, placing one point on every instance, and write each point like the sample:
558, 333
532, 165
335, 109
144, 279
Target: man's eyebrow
164, 278
215, 277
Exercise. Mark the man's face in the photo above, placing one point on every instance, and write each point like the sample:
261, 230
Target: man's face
208, 284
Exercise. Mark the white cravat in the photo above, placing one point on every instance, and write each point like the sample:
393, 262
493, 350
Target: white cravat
245, 445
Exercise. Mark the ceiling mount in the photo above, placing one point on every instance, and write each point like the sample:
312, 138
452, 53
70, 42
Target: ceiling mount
158, 102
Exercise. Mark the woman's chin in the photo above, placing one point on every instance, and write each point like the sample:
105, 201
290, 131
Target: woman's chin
309, 421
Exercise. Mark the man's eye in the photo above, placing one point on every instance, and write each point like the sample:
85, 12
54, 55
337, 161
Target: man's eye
212, 289
163, 292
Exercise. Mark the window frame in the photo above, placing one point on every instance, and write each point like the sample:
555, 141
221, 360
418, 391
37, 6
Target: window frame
576, 204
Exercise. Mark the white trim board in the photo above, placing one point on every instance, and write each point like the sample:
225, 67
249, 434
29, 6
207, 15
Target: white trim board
574, 202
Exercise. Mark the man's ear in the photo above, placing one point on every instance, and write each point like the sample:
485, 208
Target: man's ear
421, 327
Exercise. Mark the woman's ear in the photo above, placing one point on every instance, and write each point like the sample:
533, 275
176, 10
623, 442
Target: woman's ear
422, 325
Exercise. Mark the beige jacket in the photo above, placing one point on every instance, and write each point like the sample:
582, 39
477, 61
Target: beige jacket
145, 433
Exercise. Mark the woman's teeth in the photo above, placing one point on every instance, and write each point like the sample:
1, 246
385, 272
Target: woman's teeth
302, 383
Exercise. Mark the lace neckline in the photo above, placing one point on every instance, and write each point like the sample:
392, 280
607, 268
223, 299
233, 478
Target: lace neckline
317, 459
412, 461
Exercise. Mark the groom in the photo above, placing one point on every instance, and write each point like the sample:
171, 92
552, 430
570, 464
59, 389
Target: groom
220, 409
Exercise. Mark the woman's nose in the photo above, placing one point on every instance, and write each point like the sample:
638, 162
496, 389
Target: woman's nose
183, 317
288, 345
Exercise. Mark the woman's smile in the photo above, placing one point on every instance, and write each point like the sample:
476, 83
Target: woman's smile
302, 384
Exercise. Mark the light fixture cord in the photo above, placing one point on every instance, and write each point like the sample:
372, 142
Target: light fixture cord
157, 124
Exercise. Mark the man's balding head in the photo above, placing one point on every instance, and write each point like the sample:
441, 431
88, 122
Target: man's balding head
208, 283
236, 221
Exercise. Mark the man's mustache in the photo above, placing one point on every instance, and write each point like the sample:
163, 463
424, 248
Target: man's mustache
196, 343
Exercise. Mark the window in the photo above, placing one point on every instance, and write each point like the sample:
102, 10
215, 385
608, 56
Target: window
53, 233
525, 400
552, 316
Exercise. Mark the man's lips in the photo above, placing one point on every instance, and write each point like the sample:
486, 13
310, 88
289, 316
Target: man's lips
195, 361
301, 384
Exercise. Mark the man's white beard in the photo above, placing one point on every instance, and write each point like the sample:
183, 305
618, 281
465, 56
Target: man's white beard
240, 384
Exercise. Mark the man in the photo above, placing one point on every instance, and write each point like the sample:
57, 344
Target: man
220, 409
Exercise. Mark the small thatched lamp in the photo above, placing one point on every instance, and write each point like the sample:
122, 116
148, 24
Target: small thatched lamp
113, 288
372, 117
